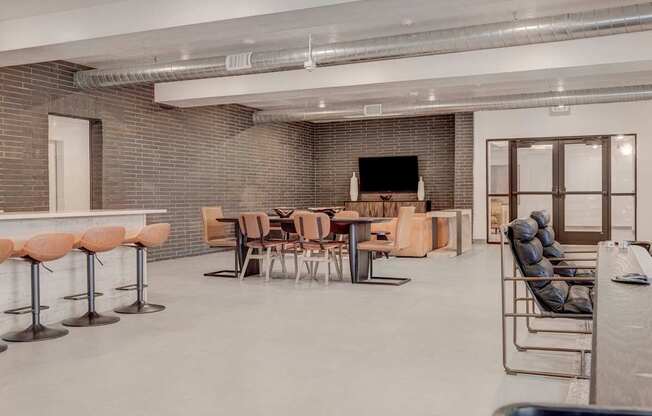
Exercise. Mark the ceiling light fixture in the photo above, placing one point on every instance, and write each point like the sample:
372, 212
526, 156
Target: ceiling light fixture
626, 149
414, 93
322, 104
248, 41
407, 21
432, 96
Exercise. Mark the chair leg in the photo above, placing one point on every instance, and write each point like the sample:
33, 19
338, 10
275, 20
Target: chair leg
269, 263
376, 280
246, 263
328, 266
281, 253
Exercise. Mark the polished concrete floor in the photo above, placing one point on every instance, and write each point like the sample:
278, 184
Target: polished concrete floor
431, 347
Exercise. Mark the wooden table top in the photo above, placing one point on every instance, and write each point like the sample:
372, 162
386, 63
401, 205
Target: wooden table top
360, 220
622, 331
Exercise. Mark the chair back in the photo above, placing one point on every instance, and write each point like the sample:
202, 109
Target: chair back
6, 248
313, 226
213, 228
100, 239
254, 225
404, 227
48, 247
551, 248
154, 235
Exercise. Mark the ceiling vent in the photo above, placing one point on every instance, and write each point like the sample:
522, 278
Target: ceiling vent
373, 110
238, 61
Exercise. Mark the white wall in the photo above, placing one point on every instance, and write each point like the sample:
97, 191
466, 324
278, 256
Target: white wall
618, 118
69, 164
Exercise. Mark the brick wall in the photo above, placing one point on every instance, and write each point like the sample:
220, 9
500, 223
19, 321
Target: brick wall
151, 157
339, 145
463, 197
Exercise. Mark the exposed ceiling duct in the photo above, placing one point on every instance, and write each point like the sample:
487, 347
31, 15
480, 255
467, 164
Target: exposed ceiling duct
544, 99
570, 26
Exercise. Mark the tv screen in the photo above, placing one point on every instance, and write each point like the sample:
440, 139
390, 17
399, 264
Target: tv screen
389, 174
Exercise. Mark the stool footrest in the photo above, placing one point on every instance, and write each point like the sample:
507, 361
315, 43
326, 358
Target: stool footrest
24, 310
82, 296
129, 287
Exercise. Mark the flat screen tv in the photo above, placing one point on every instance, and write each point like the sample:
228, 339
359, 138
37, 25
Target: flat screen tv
389, 174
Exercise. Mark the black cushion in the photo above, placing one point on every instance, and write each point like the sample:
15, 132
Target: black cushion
579, 300
524, 230
553, 295
553, 250
541, 217
546, 235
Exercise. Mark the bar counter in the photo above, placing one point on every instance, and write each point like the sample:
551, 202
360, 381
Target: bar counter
69, 273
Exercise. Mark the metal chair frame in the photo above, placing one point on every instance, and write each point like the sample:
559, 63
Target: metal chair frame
534, 309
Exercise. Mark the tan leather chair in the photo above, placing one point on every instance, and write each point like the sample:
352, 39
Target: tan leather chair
255, 228
94, 240
401, 240
215, 235
149, 236
313, 228
421, 241
36, 250
6, 248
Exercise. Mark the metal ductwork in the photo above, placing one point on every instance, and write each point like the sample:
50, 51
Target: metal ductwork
634, 18
505, 102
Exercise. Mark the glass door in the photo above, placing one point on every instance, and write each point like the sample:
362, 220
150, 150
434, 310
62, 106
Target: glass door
533, 177
583, 191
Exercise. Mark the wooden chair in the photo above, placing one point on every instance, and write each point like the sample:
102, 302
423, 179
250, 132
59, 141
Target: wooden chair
313, 228
215, 235
6, 248
401, 240
255, 228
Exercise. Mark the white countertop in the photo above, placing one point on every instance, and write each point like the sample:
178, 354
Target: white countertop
77, 214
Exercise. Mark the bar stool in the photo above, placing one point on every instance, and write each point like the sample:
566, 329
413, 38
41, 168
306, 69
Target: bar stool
6, 248
149, 236
93, 241
36, 250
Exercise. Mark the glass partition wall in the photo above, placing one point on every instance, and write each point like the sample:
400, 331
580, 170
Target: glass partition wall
587, 183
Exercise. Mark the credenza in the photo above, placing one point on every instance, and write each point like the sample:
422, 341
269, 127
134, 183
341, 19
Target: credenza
384, 208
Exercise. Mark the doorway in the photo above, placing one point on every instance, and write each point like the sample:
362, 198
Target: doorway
588, 184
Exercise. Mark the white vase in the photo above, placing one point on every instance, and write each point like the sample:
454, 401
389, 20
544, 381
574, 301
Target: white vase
421, 190
353, 188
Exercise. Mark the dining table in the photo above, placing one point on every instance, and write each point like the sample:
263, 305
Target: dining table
357, 229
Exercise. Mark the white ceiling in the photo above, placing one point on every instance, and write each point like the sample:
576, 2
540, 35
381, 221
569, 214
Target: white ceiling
18, 9
342, 22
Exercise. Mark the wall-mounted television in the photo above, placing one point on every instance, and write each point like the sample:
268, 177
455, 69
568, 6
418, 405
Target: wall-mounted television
389, 174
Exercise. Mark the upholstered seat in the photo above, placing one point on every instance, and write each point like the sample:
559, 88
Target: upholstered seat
267, 243
384, 246
255, 228
152, 235
6, 249
556, 296
44, 247
100, 239
313, 228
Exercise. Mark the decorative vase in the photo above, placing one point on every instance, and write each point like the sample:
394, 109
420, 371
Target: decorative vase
353, 189
421, 191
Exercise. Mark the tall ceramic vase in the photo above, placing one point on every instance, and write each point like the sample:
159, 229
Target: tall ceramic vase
421, 191
353, 188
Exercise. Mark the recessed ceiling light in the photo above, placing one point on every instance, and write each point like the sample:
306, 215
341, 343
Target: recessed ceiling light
414, 93
322, 103
432, 96
407, 21
248, 41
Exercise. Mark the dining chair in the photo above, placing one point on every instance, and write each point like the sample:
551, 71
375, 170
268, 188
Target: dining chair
255, 228
216, 236
401, 240
313, 228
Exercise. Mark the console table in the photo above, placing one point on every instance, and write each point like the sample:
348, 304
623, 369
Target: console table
385, 208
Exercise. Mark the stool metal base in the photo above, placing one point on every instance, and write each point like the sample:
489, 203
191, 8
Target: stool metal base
140, 307
91, 319
3, 347
36, 332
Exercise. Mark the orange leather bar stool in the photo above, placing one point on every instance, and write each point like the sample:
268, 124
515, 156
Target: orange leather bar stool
93, 241
36, 250
149, 236
6, 248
